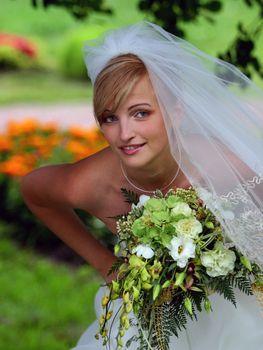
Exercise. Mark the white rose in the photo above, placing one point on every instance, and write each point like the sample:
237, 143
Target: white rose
190, 227
182, 249
219, 261
142, 200
181, 208
144, 251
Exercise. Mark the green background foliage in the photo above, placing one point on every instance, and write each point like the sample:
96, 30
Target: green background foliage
44, 305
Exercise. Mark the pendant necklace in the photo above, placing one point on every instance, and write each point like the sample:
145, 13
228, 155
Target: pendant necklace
147, 191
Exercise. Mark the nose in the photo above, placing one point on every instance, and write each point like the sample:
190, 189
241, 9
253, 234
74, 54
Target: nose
126, 130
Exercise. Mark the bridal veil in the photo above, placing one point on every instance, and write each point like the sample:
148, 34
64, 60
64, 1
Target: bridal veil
213, 121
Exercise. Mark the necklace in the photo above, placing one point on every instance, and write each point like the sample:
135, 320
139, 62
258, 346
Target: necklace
147, 191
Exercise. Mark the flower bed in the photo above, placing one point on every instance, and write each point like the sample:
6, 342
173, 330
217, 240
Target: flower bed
29, 144
25, 146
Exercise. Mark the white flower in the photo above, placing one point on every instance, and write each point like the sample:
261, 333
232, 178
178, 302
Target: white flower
219, 261
144, 251
142, 200
189, 227
181, 208
181, 249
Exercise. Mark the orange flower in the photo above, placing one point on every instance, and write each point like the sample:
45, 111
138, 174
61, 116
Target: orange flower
29, 125
5, 144
17, 128
54, 140
77, 132
49, 127
13, 128
31, 144
34, 140
79, 150
16, 166
93, 135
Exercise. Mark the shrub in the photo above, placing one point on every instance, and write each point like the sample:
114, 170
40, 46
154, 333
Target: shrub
17, 52
28, 145
71, 62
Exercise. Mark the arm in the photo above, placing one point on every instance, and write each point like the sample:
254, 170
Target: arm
49, 193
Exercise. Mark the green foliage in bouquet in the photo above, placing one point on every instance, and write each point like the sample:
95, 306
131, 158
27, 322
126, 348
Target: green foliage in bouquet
172, 254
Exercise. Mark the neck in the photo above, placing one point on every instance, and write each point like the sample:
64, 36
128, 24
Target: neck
152, 178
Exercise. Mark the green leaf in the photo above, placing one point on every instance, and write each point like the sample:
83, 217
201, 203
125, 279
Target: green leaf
246, 262
188, 305
180, 276
156, 291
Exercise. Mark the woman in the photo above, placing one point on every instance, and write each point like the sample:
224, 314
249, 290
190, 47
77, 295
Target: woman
170, 123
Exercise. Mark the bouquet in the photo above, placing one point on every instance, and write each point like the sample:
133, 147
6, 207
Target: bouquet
172, 255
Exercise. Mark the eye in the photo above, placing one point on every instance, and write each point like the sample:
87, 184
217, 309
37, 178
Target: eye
108, 119
141, 114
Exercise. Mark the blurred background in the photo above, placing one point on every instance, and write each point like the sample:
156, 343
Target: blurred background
47, 291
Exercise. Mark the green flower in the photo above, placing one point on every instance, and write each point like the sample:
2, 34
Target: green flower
139, 226
160, 217
189, 227
145, 276
181, 208
155, 269
219, 261
172, 200
155, 204
136, 262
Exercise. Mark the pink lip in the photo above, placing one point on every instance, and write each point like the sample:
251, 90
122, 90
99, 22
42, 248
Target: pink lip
132, 149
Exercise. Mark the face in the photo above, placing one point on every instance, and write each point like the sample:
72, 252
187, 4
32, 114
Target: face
136, 131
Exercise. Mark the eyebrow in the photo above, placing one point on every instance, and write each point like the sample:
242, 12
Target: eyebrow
106, 111
139, 104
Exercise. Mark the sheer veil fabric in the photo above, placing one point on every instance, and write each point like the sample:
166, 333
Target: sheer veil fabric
226, 328
211, 118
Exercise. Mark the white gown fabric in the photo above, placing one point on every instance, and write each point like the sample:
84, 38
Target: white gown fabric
225, 328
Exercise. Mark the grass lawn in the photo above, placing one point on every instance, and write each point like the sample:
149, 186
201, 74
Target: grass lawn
44, 306
41, 87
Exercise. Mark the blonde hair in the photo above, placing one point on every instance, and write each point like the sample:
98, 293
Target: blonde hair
114, 83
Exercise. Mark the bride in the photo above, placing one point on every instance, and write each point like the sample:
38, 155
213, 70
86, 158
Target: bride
173, 117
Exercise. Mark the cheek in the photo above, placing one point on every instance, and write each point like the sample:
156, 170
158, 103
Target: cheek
110, 135
157, 131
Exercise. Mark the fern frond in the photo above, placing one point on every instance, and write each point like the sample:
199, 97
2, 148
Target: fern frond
197, 299
133, 339
224, 286
130, 196
244, 285
115, 266
161, 327
178, 316
118, 217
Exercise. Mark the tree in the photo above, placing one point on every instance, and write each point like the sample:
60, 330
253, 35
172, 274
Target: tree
80, 9
171, 14
241, 52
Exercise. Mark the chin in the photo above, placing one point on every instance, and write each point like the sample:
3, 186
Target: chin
137, 161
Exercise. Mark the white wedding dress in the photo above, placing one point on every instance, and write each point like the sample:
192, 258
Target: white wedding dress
225, 328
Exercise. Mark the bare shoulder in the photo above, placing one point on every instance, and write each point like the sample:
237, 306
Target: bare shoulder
79, 184
90, 178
